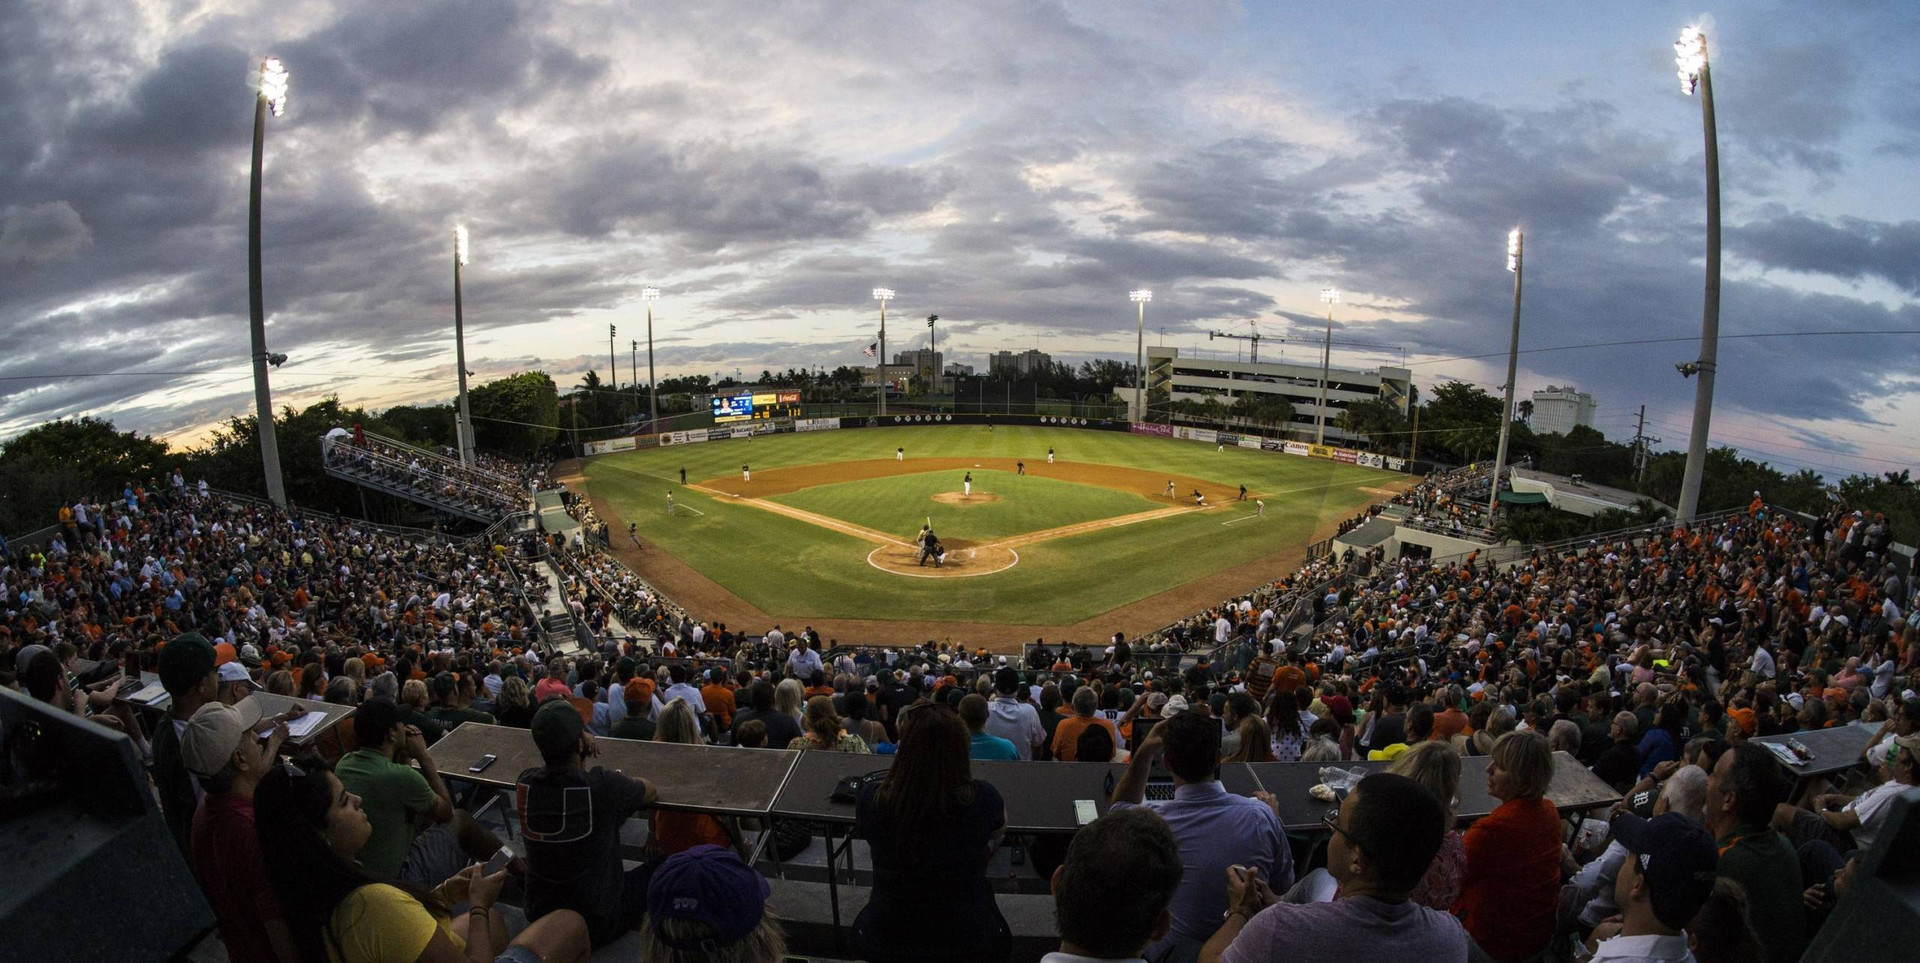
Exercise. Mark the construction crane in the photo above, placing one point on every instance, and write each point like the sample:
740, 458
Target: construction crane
1253, 341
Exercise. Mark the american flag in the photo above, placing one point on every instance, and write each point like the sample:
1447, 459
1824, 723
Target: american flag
870, 350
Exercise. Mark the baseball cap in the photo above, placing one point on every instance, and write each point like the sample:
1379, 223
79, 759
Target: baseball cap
637, 690
214, 732
25, 655
185, 661
557, 727
1678, 858
224, 653
250, 656
711, 885
236, 672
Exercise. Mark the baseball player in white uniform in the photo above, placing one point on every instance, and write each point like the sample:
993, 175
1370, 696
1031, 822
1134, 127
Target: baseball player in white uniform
899, 454
746, 473
966, 485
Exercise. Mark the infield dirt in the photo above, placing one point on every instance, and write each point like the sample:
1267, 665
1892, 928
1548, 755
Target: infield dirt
715, 603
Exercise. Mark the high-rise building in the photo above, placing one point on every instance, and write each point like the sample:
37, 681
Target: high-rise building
1198, 379
1017, 364
957, 370
1559, 410
920, 359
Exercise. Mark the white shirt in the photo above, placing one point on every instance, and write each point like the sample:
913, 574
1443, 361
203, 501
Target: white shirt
1869, 805
1016, 722
1643, 949
1762, 664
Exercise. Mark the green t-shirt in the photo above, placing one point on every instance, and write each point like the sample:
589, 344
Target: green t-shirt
630, 727
393, 796
1764, 863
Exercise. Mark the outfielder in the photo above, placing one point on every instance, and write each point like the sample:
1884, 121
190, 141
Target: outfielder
1049, 456
899, 454
1259, 507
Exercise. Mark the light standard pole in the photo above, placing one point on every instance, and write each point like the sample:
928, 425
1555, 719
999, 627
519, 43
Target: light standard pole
883, 295
1514, 242
1332, 297
460, 345
1140, 298
1690, 53
613, 366
633, 367
653, 404
272, 97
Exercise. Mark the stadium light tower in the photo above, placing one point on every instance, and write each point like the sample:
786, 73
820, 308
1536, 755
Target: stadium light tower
1514, 241
653, 405
1332, 297
272, 97
1140, 298
883, 295
1690, 54
460, 345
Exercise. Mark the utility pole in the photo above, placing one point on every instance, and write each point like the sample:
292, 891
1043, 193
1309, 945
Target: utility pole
633, 365
1640, 443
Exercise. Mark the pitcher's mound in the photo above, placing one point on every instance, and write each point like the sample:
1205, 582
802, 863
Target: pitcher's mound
955, 498
962, 561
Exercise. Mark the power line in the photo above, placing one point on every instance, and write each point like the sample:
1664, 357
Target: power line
1639, 341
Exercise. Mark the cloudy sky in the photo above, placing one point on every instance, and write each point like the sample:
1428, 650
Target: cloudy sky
1015, 167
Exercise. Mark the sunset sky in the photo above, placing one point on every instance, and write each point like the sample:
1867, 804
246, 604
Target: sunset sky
1014, 167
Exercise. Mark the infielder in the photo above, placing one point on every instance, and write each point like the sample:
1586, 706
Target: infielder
899, 454
669, 504
1243, 493
1019, 467
1259, 507
1049, 456
1169, 488
746, 473
966, 485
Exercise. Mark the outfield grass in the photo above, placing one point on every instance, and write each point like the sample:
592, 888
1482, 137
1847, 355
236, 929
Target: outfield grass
792, 568
898, 506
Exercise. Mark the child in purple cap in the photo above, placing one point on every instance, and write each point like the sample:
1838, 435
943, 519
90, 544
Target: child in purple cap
706, 904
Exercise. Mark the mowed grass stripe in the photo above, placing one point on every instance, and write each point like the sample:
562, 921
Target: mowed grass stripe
1023, 503
795, 570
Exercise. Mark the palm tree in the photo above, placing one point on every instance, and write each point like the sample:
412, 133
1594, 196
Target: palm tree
1525, 408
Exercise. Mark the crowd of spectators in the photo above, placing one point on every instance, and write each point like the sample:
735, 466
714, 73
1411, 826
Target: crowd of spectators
1651, 660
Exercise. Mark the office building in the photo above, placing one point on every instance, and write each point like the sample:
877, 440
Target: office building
1017, 364
1559, 410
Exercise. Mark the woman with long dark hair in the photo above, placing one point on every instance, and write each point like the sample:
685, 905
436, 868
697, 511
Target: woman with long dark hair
338, 912
931, 828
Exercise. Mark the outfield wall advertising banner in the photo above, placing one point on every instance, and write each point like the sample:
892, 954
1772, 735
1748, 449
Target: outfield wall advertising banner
816, 424
1272, 444
1147, 428
1346, 456
1320, 451
1250, 441
1297, 448
611, 445
1207, 435
1371, 460
1396, 464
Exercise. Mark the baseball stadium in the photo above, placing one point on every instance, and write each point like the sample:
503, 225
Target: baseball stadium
1290, 513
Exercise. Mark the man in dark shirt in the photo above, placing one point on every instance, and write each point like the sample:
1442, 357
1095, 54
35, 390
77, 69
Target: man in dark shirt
1620, 764
188, 673
571, 818
1743, 790
781, 728
447, 709
896, 697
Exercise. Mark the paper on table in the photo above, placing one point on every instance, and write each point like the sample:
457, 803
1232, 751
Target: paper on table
1785, 754
298, 728
148, 694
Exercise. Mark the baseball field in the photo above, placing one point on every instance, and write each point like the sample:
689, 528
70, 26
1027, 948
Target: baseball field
826, 532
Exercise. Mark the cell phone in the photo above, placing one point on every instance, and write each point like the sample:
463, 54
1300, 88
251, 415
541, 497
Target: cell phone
1084, 812
485, 761
499, 861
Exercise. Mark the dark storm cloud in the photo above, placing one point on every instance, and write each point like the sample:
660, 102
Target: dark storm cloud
1851, 248
51, 231
710, 196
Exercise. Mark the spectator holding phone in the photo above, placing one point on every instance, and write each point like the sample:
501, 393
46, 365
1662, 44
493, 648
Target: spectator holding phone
339, 910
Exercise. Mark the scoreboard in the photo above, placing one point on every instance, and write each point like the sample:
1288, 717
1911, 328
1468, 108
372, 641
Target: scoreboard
728, 409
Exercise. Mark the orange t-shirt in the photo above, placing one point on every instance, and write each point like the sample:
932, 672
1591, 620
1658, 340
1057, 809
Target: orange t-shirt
1066, 736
